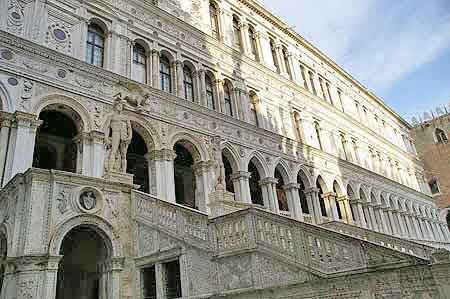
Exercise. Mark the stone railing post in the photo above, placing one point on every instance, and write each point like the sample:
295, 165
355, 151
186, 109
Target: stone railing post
312, 198
330, 205
294, 200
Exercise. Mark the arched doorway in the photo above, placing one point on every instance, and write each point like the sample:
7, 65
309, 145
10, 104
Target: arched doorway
255, 188
81, 273
137, 162
56, 146
301, 194
185, 184
3, 256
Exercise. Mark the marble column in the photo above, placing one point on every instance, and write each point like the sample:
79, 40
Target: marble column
162, 163
294, 200
179, 78
360, 211
383, 221
281, 60
330, 205
203, 175
21, 144
415, 223
270, 197
312, 198
155, 69
241, 186
5, 127
373, 218
220, 105
202, 87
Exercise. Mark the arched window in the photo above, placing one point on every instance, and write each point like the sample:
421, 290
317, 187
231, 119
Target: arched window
286, 62
139, 72
337, 192
255, 188
95, 45
210, 99
56, 146
298, 126
188, 83
302, 195
434, 186
237, 34
253, 45
137, 163
327, 85
281, 194
303, 72
165, 75
273, 50
184, 176
441, 137
311, 82
318, 134
253, 109
214, 18
228, 100
343, 147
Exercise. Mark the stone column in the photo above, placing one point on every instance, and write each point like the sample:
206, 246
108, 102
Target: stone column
114, 268
245, 38
384, 226
82, 144
401, 229
173, 78
97, 154
415, 223
445, 231
196, 82
5, 127
162, 163
373, 219
220, 96
294, 200
129, 61
179, 78
155, 69
21, 144
344, 205
261, 57
202, 87
430, 229
312, 198
330, 205
148, 70
292, 68
241, 186
268, 188
437, 229
203, 175
281, 61
360, 211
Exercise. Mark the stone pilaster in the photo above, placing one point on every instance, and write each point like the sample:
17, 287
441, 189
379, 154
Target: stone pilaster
269, 194
241, 186
162, 162
5, 127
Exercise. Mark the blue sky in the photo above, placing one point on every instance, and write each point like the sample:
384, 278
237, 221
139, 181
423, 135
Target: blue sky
399, 49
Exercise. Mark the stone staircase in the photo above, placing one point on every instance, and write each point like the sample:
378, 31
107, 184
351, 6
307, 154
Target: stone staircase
314, 249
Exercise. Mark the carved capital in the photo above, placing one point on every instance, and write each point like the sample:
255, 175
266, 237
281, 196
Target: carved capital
162, 155
241, 174
268, 181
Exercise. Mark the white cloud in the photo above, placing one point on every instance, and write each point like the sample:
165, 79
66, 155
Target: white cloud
377, 41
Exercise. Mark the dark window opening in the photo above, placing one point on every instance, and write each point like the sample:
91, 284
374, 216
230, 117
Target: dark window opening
188, 83
255, 188
172, 279
165, 74
137, 163
302, 195
323, 208
228, 174
95, 45
281, 194
55, 147
210, 101
149, 281
184, 177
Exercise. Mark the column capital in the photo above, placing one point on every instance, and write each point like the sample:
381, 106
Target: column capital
311, 190
162, 155
328, 194
267, 181
6, 120
201, 167
97, 136
241, 174
342, 198
289, 186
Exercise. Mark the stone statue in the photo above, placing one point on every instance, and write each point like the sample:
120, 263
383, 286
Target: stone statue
219, 169
117, 138
136, 96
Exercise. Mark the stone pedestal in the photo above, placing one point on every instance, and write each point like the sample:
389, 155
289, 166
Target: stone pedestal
222, 203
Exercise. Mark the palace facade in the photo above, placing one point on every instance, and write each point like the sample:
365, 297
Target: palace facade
200, 149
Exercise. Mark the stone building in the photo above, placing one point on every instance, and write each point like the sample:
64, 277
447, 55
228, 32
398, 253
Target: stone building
430, 136
197, 149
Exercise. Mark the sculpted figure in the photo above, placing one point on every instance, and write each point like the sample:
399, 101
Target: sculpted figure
136, 96
117, 138
219, 169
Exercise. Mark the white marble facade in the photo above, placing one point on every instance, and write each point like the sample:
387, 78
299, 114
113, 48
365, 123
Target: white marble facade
205, 136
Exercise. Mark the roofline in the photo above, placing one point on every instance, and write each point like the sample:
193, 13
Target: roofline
285, 28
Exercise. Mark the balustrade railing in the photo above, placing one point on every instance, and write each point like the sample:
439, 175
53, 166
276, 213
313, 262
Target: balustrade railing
410, 247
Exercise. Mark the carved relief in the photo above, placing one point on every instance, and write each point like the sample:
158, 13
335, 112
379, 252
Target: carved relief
58, 35
236, 272
63, 199
15, 20
27, 93
145, 240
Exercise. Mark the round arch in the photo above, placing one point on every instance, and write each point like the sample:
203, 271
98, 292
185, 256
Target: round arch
58, 102
321, 182
99, 22
143, 43
99, 225
167, 54
194, 146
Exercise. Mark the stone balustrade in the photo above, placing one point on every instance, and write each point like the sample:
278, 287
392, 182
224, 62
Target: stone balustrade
410, 247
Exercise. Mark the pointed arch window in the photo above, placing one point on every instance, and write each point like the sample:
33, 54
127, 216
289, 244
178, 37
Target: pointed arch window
441, 137
188, 83
311, 82
95, 46
303, 72
214, 18
227, 99
434, 186
139, 64
318, 133
237, 34
253, 45
165, 75
210, 101
273, 50
286, 62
